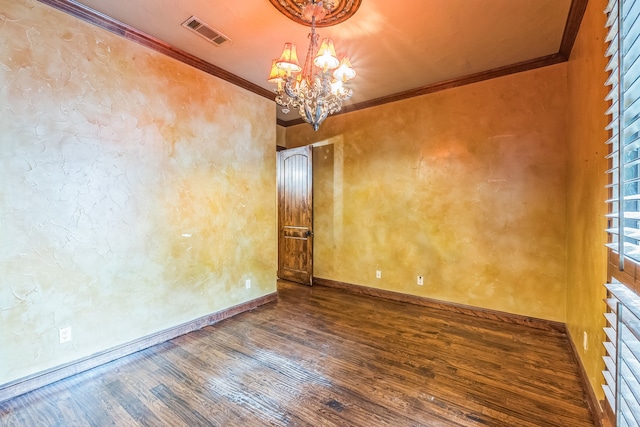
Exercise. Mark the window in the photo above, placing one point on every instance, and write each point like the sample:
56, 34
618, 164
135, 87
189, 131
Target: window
622, 360
624, 69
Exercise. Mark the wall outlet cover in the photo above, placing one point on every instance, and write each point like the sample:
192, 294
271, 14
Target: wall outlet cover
64, 334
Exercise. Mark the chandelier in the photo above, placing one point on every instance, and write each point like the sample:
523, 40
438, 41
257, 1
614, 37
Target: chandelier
316, 89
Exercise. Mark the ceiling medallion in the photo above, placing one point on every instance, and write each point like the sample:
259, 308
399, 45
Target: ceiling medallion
340, 11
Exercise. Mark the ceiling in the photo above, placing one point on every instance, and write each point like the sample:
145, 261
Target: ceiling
396, 47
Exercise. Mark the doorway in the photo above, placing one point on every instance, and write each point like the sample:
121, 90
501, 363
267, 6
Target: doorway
295, 215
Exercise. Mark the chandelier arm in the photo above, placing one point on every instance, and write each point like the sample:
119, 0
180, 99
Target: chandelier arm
288, 87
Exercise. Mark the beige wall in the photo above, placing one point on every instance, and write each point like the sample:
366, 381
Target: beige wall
137, 193
466, 187
586, 268
281, 136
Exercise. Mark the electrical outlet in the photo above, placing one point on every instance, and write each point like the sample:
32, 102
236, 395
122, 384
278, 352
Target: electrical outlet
585, 341
64, 334
378, 274
420, 280
247, 284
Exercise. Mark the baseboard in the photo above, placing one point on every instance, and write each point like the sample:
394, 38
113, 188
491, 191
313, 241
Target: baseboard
41, 379
594, 404
533, 322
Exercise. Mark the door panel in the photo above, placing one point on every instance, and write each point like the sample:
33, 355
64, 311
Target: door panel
295, 215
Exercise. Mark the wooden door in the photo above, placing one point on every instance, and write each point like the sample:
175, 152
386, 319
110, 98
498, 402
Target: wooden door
295, 215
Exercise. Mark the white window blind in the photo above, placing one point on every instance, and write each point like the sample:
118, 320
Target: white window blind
622, 372
622, 360
624, 73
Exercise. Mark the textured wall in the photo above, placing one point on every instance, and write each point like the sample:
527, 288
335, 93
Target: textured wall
137, 193
281, 136
586, 191
465, 186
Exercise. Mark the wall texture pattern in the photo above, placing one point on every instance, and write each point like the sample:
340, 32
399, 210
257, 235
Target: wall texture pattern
466, 187
586, 268
136, 193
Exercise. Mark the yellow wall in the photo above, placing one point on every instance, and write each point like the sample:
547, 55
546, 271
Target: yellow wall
586, 257
466, 187
137, 193
281, 136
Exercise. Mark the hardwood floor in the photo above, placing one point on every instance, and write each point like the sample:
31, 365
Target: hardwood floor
325, 357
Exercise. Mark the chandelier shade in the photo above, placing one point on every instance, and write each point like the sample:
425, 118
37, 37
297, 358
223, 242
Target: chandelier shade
344, 72
316, 89
288, 61
326, 56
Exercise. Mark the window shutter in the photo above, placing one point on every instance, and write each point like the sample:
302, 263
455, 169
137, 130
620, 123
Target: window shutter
624, 79
613, 127
622, 372
622, 359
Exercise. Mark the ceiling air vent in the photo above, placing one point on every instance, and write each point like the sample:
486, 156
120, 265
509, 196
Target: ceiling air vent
196, 25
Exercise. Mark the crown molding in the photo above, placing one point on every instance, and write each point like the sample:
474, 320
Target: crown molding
80, 11
572, 26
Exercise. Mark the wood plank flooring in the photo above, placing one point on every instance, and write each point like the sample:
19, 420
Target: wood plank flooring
325, 357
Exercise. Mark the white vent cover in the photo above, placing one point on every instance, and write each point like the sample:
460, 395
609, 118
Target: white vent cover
196, 25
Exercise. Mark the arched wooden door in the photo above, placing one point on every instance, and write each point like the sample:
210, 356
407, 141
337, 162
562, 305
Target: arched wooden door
295, 215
